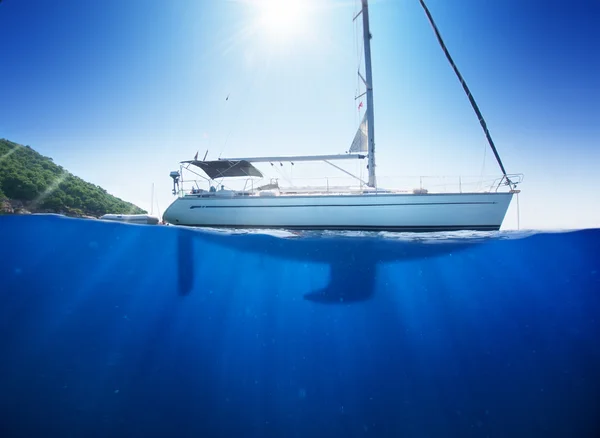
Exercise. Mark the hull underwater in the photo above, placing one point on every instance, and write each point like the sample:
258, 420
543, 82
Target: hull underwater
389, 212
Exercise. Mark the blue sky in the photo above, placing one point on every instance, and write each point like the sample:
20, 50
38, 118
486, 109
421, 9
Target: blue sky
120, 92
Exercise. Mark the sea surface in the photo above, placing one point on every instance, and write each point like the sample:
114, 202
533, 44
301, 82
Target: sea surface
117, 330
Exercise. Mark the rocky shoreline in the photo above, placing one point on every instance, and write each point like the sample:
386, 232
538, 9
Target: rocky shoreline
10, 206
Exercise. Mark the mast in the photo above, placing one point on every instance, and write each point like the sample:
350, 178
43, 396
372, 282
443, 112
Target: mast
152, 200
369, 84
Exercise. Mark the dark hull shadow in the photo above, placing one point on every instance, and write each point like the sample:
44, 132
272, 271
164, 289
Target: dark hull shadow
350, 281
353, 262
185, 262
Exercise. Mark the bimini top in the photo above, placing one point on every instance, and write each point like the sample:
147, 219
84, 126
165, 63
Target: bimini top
226, 168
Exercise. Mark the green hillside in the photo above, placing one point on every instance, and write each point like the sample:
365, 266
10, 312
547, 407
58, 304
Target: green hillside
32, 182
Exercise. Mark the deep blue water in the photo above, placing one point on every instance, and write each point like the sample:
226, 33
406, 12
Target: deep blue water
114, 330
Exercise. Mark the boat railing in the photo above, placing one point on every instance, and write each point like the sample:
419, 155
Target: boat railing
444, 183
404, 184
510, 180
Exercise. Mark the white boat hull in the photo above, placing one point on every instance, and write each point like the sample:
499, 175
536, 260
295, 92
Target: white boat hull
380, 212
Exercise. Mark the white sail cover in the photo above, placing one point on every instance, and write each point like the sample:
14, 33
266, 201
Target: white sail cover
360, 143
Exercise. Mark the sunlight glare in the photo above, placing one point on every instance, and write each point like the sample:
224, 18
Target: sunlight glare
283, 18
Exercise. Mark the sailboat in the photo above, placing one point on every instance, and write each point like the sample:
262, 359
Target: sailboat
366, 207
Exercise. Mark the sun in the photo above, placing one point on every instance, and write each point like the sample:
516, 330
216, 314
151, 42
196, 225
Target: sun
282, 19
277, 26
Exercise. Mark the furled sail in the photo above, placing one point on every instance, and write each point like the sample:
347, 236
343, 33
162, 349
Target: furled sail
360, 143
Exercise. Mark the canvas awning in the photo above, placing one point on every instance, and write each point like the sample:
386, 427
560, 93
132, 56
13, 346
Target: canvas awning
226, 168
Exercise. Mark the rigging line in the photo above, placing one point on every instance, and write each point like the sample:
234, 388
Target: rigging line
483, 163
464, 84
518, 213
225, 144
230, 129
359, 47
281, 173
356, 56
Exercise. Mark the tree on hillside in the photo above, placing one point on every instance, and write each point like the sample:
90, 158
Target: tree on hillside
42, 185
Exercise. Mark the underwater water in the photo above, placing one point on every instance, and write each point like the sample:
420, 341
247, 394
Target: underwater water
118, 330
